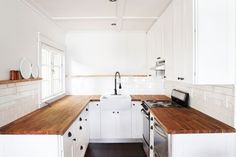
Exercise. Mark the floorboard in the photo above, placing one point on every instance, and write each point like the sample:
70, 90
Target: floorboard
115, 150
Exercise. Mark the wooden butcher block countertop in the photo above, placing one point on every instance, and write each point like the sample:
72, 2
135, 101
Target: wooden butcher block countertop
149, 97
188, 120
57, 117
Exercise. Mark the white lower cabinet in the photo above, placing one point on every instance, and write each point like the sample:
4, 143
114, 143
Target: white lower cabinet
95, 120
137, 120
76, 138
115, 124
194, 145
73, 143
110, 124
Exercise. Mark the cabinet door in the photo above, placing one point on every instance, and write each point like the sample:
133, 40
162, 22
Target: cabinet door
68, 142
108, 124
178, 39
95, 120
137, 120
188, 41
168, 42
123, 124
215, 41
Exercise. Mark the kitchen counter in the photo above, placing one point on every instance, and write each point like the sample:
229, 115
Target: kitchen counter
57, 117
188, 120
149, 97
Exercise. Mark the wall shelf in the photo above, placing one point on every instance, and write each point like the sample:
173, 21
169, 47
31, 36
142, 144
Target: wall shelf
75, 76
18, 81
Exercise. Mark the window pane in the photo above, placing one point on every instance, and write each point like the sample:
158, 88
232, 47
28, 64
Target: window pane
57, 73
57, 60
46, 89
52, 72
46, 72
57, 86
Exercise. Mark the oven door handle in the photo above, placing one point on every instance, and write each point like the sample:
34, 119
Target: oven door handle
159, 130
145, 113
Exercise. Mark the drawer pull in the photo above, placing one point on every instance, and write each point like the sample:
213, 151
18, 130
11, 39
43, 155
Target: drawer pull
69, 134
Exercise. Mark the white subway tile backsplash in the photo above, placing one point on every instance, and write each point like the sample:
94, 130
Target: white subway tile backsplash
3, 86
216, 101
17, 100
7, 91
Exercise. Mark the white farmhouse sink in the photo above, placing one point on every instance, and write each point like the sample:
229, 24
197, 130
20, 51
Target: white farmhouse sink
115, 102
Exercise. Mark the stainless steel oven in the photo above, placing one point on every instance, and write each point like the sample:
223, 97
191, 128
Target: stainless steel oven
160, 141
146, 131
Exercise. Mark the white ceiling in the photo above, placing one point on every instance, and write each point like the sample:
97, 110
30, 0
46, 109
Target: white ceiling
100, 14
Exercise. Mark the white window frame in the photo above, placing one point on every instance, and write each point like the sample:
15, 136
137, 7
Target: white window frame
44, 41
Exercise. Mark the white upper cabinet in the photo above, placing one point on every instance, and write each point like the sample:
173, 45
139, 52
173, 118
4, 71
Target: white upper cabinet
197, 41
215, 40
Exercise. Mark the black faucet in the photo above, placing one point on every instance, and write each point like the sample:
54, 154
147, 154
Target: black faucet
117, 73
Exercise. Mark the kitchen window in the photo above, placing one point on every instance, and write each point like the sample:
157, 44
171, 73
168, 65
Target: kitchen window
52, 72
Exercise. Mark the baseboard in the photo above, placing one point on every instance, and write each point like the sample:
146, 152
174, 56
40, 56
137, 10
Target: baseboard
116, 140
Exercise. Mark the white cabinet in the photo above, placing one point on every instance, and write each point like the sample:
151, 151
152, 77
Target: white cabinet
124, 124
81, 139
183, 40
203, 41
95, 120
197, 41
115, 124
137, 120
68, 144
108, 124
76, 138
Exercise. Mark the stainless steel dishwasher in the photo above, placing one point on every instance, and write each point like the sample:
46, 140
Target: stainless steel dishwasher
160, 141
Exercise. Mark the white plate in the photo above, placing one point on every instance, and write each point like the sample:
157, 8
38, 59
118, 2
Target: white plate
35, 71
25, 68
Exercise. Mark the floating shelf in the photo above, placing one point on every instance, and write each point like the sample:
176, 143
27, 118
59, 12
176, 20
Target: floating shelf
18, 81
106, 76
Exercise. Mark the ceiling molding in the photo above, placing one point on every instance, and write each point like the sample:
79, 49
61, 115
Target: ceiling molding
84, 18
139, 18
105, 18
121, 5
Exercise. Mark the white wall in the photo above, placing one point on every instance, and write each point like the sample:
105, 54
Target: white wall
18, 34
19, 29
104, 53
217, 101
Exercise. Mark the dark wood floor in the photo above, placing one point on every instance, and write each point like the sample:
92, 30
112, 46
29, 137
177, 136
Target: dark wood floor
115, 150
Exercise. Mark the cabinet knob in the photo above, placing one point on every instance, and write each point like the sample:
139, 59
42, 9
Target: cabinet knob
133, 104
165, 77
80, 119
86, 109
113, 112
69, 134
151, 147
81, 147
151, 127
97, 105
74, 139
117, 112
80, 127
